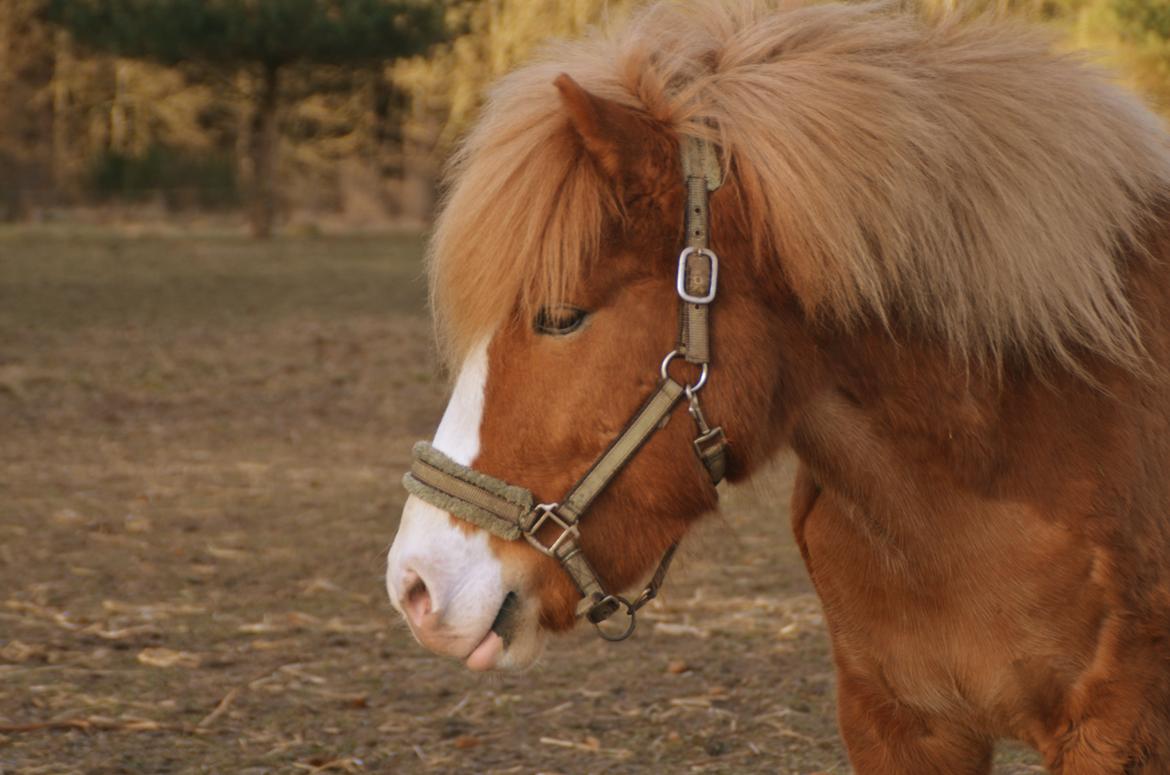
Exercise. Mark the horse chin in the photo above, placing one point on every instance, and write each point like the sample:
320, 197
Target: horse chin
523, 652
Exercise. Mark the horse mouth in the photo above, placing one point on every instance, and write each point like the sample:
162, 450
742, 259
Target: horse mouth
507, 618
487, 654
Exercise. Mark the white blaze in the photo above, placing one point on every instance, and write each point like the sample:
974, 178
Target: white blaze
463, 577
458, 433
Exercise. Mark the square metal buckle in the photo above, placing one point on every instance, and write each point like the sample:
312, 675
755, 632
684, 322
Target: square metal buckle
681, 281
548, 513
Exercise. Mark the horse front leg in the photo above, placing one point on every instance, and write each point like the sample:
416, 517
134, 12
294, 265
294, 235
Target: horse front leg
885, 737
1099, 747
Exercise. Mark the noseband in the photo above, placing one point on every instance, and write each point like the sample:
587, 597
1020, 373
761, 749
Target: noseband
511, 512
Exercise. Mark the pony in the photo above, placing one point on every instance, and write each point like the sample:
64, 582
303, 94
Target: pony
941, 283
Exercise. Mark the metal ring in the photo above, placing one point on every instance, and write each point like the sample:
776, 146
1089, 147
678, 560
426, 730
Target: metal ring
670, 356
631, 622
695, 388
690, 389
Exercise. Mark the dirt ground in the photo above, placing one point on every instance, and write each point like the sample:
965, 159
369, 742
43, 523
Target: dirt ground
201, 441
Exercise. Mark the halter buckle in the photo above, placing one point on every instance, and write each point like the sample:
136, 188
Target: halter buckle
708, 295
548, 513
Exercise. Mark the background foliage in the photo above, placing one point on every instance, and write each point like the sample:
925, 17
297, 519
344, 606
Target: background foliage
134, 112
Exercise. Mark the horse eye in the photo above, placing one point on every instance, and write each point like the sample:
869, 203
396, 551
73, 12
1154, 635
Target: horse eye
558, 321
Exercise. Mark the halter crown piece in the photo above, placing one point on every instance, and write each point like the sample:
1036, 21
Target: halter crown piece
511, 512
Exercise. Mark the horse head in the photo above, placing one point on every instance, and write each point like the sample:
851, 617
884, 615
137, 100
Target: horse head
542, 396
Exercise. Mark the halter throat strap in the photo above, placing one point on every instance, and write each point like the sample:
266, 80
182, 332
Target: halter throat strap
511, 512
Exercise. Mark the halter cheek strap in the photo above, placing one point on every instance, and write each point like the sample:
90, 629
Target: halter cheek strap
510, 512
697, 284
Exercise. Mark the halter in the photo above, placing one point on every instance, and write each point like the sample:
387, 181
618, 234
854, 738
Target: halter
510, 512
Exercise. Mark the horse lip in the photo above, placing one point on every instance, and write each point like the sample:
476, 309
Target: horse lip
486, 655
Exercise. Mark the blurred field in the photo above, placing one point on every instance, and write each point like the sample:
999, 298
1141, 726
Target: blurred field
200, 446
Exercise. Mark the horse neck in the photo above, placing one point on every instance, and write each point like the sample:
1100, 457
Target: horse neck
874, 432
912, 437
917, 443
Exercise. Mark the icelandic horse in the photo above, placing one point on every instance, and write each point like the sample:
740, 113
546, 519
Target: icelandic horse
940, 251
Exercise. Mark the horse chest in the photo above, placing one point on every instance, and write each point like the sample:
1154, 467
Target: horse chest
991, 617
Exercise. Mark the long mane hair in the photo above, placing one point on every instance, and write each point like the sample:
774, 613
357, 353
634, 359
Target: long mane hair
956, 174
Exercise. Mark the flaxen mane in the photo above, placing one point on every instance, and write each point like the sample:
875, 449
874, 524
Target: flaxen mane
958, 173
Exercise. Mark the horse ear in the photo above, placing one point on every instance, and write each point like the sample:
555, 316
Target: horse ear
614, 135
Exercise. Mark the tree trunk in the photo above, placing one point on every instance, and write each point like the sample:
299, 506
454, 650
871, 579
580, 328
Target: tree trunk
264, 141
8, 85
120, 110
62, 66
418, 167
6, 25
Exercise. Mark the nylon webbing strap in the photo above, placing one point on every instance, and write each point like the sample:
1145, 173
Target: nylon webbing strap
702, 174
596, 605
637, 431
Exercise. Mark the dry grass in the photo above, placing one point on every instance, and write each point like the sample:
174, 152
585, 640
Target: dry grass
199, 460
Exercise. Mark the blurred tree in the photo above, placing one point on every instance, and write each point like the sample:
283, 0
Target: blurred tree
160, 103
446, 87
1144, 28
264, 36
498, 35
26, 69
1145, 18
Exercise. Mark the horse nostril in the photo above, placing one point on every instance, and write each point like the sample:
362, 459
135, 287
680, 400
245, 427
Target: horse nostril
417, 599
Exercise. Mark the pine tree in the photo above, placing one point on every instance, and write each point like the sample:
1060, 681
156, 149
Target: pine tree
264, 36
1144, 27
